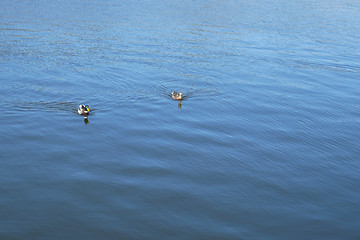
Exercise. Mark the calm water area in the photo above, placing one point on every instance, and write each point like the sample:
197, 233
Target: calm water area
265, 144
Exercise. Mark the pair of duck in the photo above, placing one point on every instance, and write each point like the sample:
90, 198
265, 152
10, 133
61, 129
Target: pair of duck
85, 109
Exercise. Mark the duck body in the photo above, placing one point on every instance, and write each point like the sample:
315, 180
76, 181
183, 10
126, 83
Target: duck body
177, 96
83, 109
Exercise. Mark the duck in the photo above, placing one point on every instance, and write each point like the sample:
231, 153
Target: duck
177, 96
84, 109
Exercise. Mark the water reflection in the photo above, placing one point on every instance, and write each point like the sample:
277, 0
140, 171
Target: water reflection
86, 120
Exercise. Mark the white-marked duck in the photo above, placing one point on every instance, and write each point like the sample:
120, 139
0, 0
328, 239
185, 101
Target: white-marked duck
84, 109
177, 96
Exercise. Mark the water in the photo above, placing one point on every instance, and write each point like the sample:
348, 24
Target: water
264, 146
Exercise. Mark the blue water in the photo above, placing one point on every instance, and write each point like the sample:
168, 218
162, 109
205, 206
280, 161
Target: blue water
265, 144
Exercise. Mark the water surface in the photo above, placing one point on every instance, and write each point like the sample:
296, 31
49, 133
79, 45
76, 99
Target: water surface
264, 146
